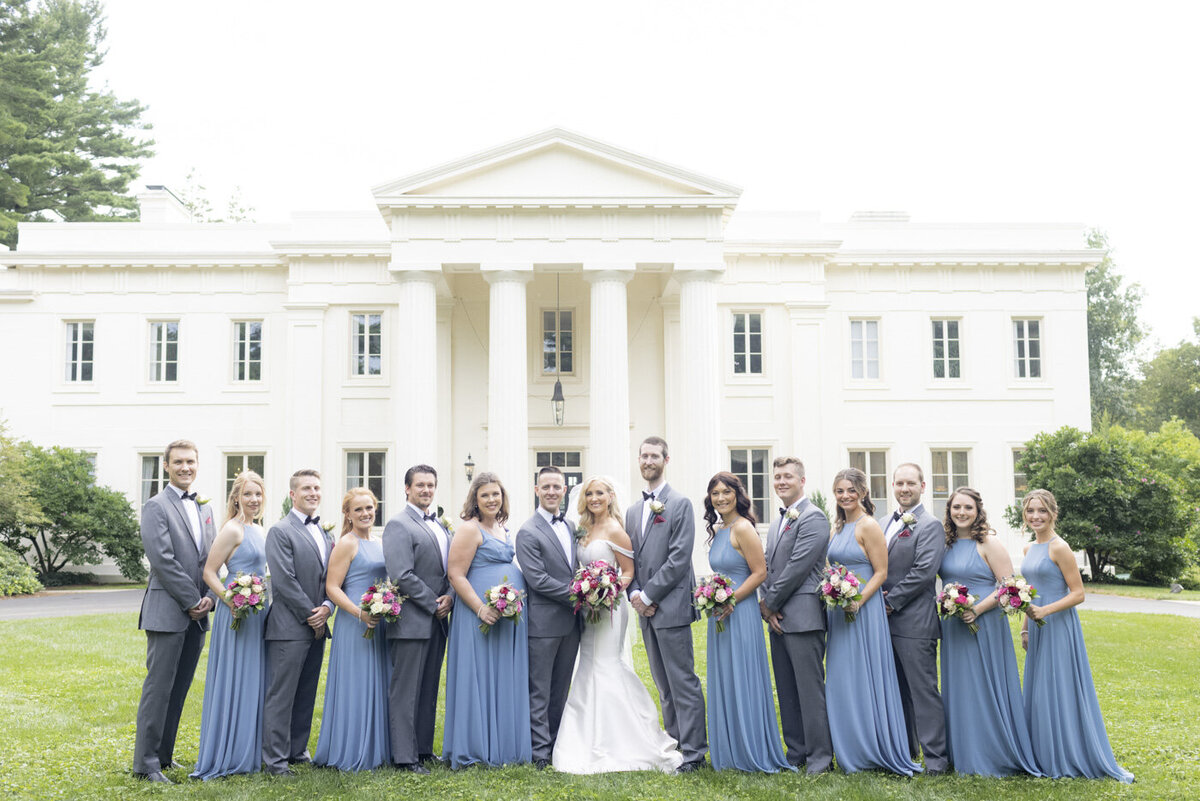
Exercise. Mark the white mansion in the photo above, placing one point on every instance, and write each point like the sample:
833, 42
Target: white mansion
434, 329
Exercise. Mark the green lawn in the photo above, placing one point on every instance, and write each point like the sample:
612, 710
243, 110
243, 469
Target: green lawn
69, 691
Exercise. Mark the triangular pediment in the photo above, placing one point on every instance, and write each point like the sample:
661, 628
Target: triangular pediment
556, 164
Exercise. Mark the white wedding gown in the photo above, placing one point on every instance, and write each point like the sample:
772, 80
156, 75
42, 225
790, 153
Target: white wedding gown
610, 722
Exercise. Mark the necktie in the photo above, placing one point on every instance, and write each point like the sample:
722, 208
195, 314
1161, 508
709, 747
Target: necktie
430, 516
188, 496
647, 496
315, 520
558, 518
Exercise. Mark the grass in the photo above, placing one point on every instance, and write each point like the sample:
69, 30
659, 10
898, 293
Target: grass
1142, 591
69, 692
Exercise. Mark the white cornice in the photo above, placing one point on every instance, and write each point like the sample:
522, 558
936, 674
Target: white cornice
1084, 258
19, 260
295, 248
580, 202
813, 247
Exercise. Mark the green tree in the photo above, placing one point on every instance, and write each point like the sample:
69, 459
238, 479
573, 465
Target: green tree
17, 506
81, 522
1114, 502
1114, 334
66, 150
1171, 387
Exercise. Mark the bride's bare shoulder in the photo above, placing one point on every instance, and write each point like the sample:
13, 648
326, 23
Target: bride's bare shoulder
614, 532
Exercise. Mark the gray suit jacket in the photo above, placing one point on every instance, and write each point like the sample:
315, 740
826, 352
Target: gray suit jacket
914, 556
795, 565
414, 562
662, 560
176, 568
548, 574
297, 579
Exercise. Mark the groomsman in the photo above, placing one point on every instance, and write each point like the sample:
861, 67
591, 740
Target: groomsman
790, 603
415, 545
546, 553
176, 533
297, 556
662, 528
915, 543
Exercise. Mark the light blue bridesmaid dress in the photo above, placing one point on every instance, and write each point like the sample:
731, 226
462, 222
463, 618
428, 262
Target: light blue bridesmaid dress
354, 725
487, 675
986, 727
1067, 729
862, 695
743, 732
234, 684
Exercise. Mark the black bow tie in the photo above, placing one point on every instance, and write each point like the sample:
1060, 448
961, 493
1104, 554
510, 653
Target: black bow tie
558, 518
429, 516
896, 515
314, 519
647, 496
782, 511
188, 496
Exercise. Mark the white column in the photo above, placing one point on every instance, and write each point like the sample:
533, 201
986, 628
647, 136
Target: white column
696, 456
608, 411
415, 399
508, 388
304, 432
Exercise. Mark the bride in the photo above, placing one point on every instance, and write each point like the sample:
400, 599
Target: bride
610, 723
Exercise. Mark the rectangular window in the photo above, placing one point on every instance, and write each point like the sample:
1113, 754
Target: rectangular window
864, 349
558, 342
154, 478
1020, 480
948, 474
368, 469
366, 344
946, 362
247, 350
164, 351
235, 463
570, 462
1027, 348
747, 343
80, 345
753, 467
874, 464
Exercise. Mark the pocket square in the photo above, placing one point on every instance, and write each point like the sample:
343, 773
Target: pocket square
659, 519
905, 532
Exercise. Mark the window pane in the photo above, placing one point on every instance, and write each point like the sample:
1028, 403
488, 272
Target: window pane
739, 324
737, 462
756, 363
858, 460
755, 323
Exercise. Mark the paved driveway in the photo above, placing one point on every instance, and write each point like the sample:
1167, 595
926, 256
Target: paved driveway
56, 603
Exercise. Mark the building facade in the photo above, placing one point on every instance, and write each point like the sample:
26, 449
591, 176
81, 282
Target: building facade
434, 330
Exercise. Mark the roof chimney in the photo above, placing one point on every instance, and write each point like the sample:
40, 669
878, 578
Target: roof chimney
160, 205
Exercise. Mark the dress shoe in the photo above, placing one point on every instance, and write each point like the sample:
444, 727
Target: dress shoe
427, 758
300, 760
691, 767
413, 767
936, 771
541, 764
285, 773
173, 766
154, 776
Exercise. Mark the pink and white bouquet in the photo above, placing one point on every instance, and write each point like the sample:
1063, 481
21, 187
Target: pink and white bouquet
505, 599
840, 588
596, 588
1015, 596
953, 600
382, 598
247, 593
714, 595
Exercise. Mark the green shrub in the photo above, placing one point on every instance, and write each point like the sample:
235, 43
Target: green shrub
66, 578
16, 577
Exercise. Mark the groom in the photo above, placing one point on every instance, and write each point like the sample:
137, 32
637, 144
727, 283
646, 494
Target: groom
662, 529
546, 553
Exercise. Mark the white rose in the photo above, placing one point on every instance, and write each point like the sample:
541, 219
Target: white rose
378, 608
720, 596
605, 581
512, 596
585, 586
244, 581
1024, 596
244, 591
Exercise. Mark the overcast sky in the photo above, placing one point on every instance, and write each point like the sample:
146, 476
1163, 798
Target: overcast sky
1026, 112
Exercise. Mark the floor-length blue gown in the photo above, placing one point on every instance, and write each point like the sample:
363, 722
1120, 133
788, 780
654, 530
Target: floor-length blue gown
1067, 729
866, 717
487, 675
354, 725
235, 682
986, 727
743, 731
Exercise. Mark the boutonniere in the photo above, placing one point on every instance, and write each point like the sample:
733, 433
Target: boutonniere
657, 508
908, 518
444, 521
790, 517
328, 527
203, 501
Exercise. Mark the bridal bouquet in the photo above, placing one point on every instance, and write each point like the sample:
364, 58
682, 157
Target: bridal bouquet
713, 595
840, 589
596, 588
1014, 595
384, 599
247, 593
953, 600
505, 599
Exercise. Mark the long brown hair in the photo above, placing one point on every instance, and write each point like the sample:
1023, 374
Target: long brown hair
857, 479
470, 509
742, 499
979, 529
348, 499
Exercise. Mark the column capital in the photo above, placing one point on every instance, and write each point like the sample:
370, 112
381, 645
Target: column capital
698, 272
596, 273
495, 272
409, 271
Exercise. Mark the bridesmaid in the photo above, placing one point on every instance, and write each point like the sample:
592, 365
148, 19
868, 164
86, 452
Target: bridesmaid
1069, 737
866, 716
742, 726
985, 716
487, 675
231, 720
354, 724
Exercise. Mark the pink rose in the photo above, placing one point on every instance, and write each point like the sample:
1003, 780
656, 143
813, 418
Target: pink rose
239, 601
501, 604
253, 599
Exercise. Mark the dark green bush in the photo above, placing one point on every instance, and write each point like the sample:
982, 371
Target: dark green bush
16, 577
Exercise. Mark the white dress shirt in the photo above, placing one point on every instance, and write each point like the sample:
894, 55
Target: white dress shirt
895, 526
192, 509
315, 532
439, 533
654, 491
560, 530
